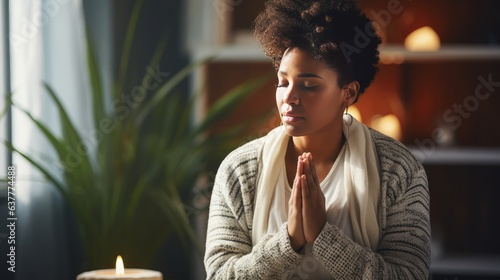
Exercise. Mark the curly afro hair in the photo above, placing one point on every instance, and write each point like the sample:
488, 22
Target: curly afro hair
336, 32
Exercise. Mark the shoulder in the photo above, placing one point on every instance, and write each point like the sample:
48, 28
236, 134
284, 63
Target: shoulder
246, 154
400, 170
393, 150
234, 186
237, 172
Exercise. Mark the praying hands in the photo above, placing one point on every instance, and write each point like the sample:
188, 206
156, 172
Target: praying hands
306, 207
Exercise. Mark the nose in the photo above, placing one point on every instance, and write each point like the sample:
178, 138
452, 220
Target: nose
290, 96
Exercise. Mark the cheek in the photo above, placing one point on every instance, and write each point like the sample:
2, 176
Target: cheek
328, 104
279, 98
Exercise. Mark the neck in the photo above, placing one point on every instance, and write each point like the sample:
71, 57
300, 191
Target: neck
324, 148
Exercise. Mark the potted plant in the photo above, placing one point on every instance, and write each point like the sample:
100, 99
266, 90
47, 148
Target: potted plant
128, 193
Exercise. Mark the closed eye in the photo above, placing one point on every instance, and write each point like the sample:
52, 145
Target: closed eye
308, 87
303, 87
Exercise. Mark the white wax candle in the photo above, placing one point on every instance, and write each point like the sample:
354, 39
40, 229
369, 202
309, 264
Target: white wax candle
130, 274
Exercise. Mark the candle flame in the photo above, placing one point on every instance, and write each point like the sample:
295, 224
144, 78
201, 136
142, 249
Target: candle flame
120, 268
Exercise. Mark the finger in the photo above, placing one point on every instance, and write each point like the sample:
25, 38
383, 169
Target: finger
307, 168
305, 188
312, 182
309, 176
292, 195
313, 169
295, 191
296, 196
298, 172
300, 167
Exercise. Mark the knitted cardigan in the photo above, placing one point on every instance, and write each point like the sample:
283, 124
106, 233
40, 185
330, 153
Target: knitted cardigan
403, 251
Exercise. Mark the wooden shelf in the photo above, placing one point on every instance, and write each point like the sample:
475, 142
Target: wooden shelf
458, 156
230, 53
398, 54
467, 265
249, 50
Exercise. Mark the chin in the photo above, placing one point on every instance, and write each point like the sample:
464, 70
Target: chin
293, 131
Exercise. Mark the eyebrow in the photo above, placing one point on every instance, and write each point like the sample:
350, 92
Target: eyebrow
304, 75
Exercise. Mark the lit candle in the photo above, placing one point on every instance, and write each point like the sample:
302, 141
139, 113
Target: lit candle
120, 273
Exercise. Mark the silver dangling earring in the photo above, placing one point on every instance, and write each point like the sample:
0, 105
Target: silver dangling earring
348, 117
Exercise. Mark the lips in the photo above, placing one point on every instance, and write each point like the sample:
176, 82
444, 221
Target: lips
290, 117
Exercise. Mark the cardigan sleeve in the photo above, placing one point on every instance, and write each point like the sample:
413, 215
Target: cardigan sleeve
229, 253
404, 248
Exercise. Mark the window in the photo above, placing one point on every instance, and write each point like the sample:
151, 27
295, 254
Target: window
5, 155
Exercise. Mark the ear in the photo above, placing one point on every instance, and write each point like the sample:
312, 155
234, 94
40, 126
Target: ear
351, 93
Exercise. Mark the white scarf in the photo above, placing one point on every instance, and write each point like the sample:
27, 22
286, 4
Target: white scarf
360, 173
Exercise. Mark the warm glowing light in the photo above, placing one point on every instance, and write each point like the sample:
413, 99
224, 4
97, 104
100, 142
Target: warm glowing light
395, 58
120, 268
423, 39
388, 125
119, 273
354, 111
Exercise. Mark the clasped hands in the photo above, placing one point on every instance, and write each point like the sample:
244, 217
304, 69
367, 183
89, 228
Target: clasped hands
306, 207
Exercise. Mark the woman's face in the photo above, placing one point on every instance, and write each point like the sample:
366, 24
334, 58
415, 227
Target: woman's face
308, 97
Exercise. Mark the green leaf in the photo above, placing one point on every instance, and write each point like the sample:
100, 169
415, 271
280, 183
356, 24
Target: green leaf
98, 105
127, 46
98, 100
135, 186
43, 170
83, 175
175, 214
166, 88
8, 103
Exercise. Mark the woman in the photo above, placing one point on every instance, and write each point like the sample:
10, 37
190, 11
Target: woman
322, 196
